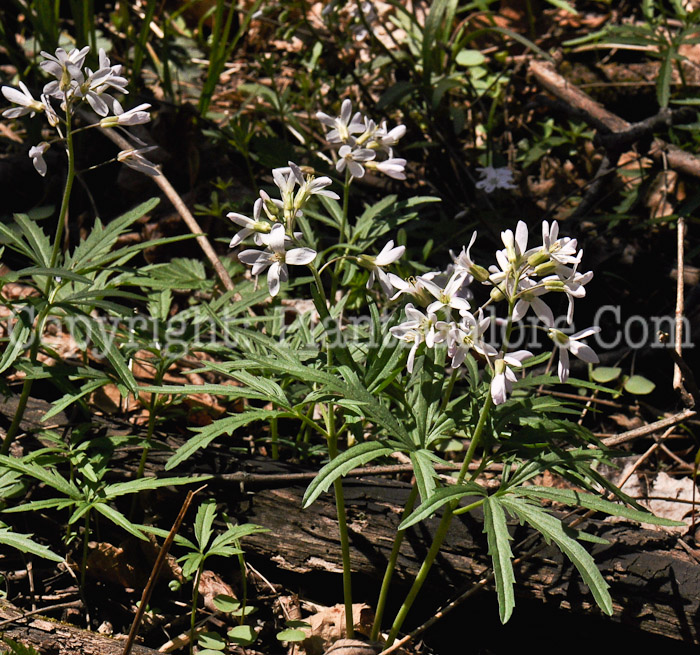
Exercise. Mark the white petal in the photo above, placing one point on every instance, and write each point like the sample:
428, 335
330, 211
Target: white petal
300, 256
563, 368
585, 333
583, 352
273, 278
543, 311
498, 389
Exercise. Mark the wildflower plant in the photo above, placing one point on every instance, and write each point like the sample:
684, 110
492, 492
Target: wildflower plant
411, 380
77, 284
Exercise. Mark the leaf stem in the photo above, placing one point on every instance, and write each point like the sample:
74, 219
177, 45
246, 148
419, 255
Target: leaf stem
391, 565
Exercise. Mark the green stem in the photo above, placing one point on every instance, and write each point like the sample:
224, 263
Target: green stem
195, 598
391, 565
273, 439
343, 229
39, 328
70, 177
149, 433
83, 563
442, 530
342, 524
346, 202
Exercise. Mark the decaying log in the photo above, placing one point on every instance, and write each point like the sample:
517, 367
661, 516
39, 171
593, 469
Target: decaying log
655, 584
50, 637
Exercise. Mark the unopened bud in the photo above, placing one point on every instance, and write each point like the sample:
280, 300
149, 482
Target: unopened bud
546, 268
537, 258
479, 273
554, 285
497, 295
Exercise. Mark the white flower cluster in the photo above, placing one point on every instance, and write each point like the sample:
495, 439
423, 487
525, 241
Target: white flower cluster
363, 143
73, 84
520, 279
495, 178
275, 230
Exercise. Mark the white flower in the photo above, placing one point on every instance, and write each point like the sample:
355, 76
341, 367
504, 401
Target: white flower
135, 116
516, 244
468, 335
528, 296
276, 257
253, 226
387, 139
503, 379
448, 296
134, 158
418, 329
566, 344
464, 262
388, 255
393, 167
573, 286
352, 158
495, 178
25, 100
343, 126
65, 68
555, 253
312, 186
413, 287
37, 155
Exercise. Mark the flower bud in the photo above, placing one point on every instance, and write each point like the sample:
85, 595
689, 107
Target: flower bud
546, 268
554, 285
479, 273
538, 258
497, 295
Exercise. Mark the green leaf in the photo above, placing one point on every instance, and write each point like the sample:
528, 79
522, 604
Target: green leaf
496, 529
553, 530
211, 640
225, 603
352, 458
69, 398
24, 543
423, 469
38, 242
639, 385
663, 82
470, 58
605, 374
575, 498
203, 523
142, 484
562, 4
119, 519
243, 635
50, 477
210, 432
18, 340
439, 498
291, 634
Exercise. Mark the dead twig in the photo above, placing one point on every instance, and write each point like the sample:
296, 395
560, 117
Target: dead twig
181, 209
646, 430
148, 589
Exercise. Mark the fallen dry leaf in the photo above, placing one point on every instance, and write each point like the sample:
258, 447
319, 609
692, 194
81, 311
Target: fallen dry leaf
328, 626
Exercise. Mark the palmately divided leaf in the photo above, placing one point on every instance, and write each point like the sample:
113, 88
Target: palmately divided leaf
498, 537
